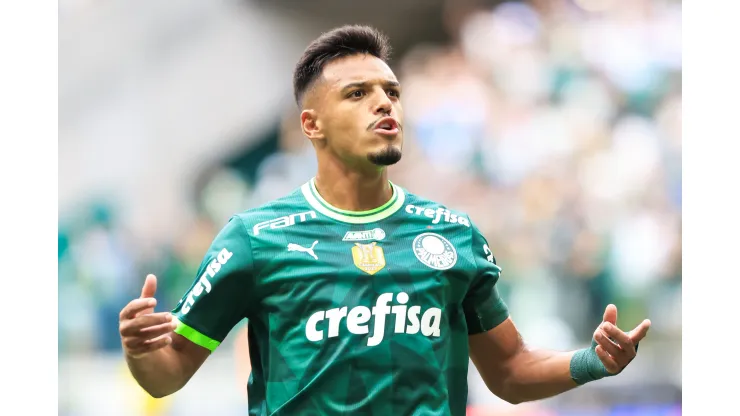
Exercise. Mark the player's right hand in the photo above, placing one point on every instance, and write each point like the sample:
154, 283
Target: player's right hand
142, 330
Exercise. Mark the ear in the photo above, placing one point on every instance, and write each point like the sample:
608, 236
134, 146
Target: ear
311, 125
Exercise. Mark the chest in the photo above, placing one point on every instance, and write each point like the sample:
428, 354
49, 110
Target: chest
329, 264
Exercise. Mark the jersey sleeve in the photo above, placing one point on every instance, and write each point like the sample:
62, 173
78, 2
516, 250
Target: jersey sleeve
220, 294
483, 306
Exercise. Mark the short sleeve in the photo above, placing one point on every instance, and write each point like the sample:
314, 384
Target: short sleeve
484, 309
221, 292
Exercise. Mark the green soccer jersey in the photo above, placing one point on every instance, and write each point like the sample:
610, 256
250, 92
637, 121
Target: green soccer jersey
349, 312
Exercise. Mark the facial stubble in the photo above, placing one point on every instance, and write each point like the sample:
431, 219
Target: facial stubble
390, 155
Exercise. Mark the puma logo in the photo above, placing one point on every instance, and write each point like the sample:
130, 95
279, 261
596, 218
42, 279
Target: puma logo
309, 250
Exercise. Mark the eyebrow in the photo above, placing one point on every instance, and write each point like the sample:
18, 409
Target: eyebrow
363, 84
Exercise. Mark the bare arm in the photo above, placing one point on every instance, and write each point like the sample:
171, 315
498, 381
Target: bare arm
167, 370
160, 360
517, 373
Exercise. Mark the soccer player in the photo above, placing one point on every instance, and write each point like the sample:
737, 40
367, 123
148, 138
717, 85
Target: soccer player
361, 297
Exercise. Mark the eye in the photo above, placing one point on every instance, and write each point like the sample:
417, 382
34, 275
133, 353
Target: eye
394, 93
356, 94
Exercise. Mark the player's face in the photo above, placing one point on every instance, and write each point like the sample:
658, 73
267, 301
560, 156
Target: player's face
361, 115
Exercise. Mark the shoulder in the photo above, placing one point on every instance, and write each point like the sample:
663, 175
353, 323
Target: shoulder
436, 212
284, 210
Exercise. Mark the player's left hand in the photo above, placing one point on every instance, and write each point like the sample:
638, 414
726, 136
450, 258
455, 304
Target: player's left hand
615, 348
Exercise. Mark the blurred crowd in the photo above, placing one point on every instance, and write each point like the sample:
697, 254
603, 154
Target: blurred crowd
556, 125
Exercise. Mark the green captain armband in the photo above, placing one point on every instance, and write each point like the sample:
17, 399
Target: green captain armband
196, 337
586, 366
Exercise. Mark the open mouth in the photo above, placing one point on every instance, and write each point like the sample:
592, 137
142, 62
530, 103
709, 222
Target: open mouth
387, 124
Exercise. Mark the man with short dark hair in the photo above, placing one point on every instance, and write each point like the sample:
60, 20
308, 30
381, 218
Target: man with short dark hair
360, 296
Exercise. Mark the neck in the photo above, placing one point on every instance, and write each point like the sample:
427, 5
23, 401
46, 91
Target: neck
351, 189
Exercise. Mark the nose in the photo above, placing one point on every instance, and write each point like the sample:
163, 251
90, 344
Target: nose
384, 105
